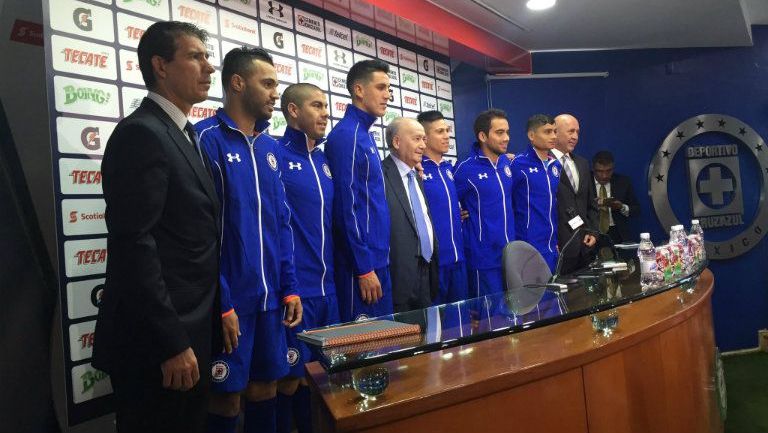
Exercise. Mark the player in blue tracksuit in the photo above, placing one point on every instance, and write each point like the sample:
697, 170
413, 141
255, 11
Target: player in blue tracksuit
360, 212
259, 296
444, 207
309, 192
536, 175
483, 186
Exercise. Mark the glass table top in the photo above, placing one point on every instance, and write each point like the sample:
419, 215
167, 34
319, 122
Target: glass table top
600, 287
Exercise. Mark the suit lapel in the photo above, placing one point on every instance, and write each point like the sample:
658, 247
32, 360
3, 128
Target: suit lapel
584, 174
187, 149
393, 177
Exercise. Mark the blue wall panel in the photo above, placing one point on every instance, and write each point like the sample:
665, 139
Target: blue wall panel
647, 93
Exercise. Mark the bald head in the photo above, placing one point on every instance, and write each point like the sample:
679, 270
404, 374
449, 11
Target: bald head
567, 133
405, 140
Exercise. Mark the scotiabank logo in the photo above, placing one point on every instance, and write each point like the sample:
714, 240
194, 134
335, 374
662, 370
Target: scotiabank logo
74, 216
82, 19
196, 15
90, 138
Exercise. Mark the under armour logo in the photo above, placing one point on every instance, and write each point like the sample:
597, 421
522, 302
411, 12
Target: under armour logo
428, 176
294, 165
482, 176
533, 169
233, 158
339, 55
272, 9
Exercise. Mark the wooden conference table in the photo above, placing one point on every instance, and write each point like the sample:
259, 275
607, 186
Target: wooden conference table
656, 373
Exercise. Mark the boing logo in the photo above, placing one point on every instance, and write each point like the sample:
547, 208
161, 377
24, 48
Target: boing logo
720, 153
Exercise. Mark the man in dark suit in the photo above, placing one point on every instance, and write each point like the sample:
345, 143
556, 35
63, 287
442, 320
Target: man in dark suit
413, 244
159, 315
615, 198
575, 202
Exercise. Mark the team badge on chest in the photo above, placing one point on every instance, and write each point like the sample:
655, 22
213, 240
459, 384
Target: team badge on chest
555, 171
327, 171
508, 171
272, 161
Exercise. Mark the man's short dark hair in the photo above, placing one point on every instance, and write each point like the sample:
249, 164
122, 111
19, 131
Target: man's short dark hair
484, 119
603, 157
240, 61
537, 120
160, 40
297, 94
427, 117
362, 71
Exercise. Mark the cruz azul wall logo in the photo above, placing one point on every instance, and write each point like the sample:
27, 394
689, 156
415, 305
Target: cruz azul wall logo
722, 158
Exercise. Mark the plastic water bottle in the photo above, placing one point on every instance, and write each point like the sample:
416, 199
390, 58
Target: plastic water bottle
697, 231
649, 270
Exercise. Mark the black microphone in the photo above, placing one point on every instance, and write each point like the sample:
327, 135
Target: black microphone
579, 225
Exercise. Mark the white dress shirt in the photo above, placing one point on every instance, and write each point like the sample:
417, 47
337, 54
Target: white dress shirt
403, 169
176, 115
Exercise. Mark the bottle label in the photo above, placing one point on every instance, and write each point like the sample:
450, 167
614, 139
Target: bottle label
648, 266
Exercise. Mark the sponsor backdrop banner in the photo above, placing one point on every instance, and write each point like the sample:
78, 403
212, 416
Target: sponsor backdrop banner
94, 80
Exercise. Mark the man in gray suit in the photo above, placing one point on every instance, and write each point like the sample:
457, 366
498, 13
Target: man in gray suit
413, 244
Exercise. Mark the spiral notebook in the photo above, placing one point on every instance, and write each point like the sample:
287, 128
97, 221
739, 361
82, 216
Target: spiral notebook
357, 333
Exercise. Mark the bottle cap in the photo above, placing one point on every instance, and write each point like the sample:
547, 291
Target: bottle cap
694, 221
645, 236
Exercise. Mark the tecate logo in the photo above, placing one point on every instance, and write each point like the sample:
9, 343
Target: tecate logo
282, 69
388, 52
82, 19
85, 177
427, 85
198, 16
312, 51
86, 58
409, 100
91, 257
74, 94
86, 340
134, 33
202, 112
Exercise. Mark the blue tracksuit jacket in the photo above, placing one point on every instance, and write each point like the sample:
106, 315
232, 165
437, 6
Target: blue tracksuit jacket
443, 204
309, 192
484, 191
257, 269
360, 212
534, 196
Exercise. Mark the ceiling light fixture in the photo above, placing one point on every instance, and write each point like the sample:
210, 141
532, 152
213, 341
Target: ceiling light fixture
540, 5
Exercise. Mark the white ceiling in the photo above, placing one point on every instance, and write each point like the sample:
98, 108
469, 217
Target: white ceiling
617, 24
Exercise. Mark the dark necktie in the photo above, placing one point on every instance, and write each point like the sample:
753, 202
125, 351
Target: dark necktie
192, 134
419, 218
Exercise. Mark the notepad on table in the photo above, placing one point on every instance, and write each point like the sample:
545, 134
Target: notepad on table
357, 333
